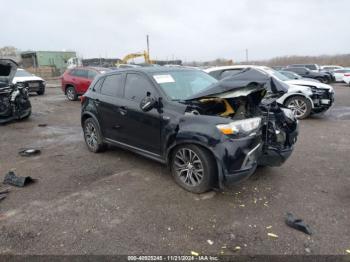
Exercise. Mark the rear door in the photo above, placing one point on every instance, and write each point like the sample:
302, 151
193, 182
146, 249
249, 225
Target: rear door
80, 80
108, 105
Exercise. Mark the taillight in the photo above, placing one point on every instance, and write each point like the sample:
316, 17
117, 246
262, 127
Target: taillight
82, 99
346, 74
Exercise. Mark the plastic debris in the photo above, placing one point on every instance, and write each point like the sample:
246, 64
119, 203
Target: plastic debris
298, 224
307, 250
29, 152
42, 125
210, 242
269, 227
237, 248
347, 251
20, 181
272, 235
194, 253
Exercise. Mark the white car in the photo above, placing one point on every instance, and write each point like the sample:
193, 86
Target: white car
303, 97
346, 79
331, 67
340, 74
33, 82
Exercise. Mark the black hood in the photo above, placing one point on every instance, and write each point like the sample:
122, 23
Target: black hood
247, 79
8, 70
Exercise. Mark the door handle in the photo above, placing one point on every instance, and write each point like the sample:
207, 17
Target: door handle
123, 110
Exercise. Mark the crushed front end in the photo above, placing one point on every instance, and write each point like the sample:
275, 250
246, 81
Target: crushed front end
323, 99
279, 134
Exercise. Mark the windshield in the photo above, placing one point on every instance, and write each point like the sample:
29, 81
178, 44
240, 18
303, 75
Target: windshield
179, 85
21, 73
276, 74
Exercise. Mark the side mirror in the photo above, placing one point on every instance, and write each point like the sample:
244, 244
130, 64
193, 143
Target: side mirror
307, 72
147, 103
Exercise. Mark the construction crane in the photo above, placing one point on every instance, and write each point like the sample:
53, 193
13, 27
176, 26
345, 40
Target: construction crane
135, 55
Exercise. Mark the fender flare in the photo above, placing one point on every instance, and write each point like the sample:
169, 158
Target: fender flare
86, 115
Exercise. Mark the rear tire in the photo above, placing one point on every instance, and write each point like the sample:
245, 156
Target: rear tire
300, 106
71, 93
92, 136
193, 168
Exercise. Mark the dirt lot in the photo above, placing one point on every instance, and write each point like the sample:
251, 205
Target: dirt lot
120, 203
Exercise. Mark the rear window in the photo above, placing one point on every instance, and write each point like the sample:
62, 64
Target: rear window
92, 74
80, 73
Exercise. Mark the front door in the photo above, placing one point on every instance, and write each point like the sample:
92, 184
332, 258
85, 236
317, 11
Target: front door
140, 129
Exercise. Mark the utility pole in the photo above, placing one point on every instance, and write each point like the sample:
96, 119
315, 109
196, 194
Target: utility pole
147, 37
246, 55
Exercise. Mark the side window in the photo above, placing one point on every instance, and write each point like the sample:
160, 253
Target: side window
98, 84
229, 72
92, 74
137, 86
298, 70
112, 84
80, 73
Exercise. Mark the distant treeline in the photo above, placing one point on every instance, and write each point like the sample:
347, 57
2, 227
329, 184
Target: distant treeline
343, 60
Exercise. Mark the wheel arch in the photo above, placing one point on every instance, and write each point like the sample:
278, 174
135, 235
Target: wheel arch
219, 176
287, 96
68, 85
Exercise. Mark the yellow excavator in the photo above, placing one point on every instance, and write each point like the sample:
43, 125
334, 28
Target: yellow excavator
135, 55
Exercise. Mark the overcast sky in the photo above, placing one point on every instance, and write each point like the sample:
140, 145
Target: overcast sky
186, 29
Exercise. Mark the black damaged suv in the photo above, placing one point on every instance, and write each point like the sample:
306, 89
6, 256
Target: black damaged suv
208, 132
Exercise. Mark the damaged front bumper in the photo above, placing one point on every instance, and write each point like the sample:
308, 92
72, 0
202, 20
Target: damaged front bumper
242, 156
323, 99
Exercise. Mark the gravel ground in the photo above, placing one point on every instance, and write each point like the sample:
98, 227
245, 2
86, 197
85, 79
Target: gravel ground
117, 202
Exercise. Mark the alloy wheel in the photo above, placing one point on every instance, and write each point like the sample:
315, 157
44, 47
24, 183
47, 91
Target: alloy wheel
189, 167
298, 107
91, 135
70, 93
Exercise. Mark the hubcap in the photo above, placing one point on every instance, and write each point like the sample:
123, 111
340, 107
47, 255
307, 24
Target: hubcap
90, 135
298, 107
188, 167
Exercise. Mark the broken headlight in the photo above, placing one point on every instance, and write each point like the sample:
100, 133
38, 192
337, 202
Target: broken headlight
240, 127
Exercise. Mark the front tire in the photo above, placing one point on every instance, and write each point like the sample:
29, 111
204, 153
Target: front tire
92, 136
193, 168
71, 93
41, 92
300, 106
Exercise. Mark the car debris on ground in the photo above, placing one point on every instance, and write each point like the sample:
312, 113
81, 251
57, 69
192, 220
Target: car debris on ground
19, 181
29, 152
272, 235
298, 224
4, 193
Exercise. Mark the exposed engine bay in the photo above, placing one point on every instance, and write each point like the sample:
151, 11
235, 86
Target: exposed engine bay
279, 127
14, 98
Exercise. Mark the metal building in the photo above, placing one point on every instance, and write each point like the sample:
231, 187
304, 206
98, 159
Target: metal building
46, 63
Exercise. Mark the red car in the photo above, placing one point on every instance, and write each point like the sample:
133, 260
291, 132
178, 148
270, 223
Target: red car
76, 81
